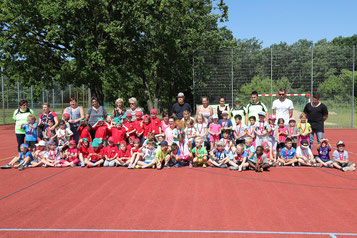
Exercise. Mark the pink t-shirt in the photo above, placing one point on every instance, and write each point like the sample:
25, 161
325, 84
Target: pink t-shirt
214, 128
164, 126
169, 136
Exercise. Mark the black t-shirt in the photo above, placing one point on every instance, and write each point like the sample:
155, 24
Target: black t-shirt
315, 116
178, 109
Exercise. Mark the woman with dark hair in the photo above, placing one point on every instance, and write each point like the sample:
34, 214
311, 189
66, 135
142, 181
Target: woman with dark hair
76, 114
95, 112
222, 107
20, 116
165, 121
43, 119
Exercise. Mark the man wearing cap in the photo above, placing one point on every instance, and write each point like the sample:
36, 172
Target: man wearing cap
283, 107
317, 114
238, 109
179, 107
254, 107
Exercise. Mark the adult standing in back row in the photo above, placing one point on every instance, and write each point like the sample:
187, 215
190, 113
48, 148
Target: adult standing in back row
179, 107
317, 114
254, 107
283, 107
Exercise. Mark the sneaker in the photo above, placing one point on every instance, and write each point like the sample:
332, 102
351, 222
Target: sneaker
204, 166
347, 168
190, 165
177, 165
223, 166
233, 168
22, 167
261, 169
293, 164
167, 166
6, 166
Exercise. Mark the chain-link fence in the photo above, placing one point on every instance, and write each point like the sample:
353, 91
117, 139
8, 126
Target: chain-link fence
302, 69
53, 93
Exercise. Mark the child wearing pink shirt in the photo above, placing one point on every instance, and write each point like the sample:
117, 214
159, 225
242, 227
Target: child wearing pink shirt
70, 155
282, 133
214, 130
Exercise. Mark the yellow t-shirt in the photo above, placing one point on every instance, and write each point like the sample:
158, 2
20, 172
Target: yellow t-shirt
304, 127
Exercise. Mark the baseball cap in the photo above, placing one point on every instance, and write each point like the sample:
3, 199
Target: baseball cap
272, 117
83, 119
138, 114
129, 114
110, 139
292, 119
25, 145
116, 120
72, 142
153, 111
66, 115
97, 140
262, 114
95, 144
215, 116
84, 139
163, 143
41, 143
100, 119
304, 142
180, 95
340, 143
225, 112
146, 116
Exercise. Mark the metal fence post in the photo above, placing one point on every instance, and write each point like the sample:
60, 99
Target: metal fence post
3, 95
312, 69
271, 75
18, 92
62, 98
70, 91
353, 83
232, 72
53, 98
31, 91
193, 82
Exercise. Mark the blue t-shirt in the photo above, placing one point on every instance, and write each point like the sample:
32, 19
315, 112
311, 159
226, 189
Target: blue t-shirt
30, 133
288, 154
249, 150
340, 156
225, 123
22, 156
220, 154
240, 157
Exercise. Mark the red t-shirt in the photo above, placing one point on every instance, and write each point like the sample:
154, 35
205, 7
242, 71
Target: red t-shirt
155, 125
130, 126
124, 154
147, 129
84, 151
118, 134
99, 151
137, 125
73, 151
111, 151
101, 132
133, 150
84, 133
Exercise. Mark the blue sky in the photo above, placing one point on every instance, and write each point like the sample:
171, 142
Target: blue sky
273, 21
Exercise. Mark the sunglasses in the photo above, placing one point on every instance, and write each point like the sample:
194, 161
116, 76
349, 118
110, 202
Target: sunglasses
281, 94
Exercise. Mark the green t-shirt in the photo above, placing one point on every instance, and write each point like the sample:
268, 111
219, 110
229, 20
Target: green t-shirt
254, 108
20, 118
160, 155
199, 152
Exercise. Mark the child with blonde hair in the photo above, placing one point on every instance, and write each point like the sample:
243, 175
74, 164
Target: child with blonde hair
304, 129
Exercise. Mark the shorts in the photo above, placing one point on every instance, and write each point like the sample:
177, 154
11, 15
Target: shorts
148, 161
343, 165
323, 160
32, 144
213, 138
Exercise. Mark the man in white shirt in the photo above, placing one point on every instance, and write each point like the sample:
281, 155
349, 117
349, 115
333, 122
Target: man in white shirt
283, 107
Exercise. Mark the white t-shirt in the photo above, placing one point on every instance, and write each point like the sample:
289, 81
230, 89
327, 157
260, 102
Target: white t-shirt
304, 152
282, 109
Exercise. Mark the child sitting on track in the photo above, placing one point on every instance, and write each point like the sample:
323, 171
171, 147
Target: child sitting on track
240, 159
96, 155
83, 147
53, 155
304, 154
259, 162
111, 153
124, 155
199, 154
341, 160
70, 155
220, 157
287, 154
162, 155
323, 158
23, 160
39, 155
145, 158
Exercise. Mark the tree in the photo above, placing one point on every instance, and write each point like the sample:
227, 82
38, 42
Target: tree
117, 48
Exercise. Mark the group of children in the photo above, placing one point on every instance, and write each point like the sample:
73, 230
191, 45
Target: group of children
148, 142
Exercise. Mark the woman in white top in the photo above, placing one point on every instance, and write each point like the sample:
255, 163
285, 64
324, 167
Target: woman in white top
205, 110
